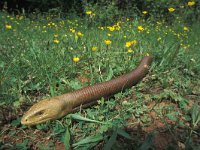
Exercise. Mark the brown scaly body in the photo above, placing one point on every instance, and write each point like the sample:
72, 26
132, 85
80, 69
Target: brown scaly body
59, 106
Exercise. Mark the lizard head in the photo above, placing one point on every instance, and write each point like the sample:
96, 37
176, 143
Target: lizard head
45, 110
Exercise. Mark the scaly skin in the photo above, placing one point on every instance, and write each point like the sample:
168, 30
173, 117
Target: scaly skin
57, 107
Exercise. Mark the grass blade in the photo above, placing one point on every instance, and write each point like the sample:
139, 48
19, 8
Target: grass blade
195, 114
148, 143
123, 133
78, 117
67, 139
111, 141
89, 139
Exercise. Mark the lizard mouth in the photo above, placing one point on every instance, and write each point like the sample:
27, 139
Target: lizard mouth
25, 121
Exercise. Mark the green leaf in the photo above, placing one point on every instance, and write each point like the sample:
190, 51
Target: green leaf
111, 141
78, 117
148, 143
89, 139
2, 64
195, 114
41, 126
16, 122
67, 139
75, 84
104, 128
23, 145
110, 74
2, 103
16, 104
52, 91
172, 116
123, 133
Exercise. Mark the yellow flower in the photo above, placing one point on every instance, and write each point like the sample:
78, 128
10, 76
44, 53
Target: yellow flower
56, 41
94, 48
72, 30
140, 28
21, 17
171, 9
144, 12
111, 28
185, 29
117, 26
130, 51
8, 27
88, 12
109, 34
102, 28
55, 35
191, 3
107, 42
128, 44
159, 23
134, 42
76, 59
76, 37
159, 39
80, 34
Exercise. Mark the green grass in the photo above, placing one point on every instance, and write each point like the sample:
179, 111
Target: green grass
33, 66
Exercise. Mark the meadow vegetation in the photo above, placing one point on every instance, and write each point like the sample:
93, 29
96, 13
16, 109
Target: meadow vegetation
48, 54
